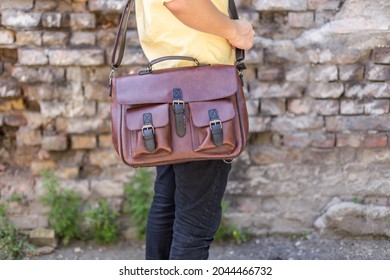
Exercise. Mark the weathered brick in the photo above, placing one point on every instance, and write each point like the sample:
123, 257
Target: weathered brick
270, 73
80, 187
9, 87
267, 90
288, 124
326, 107
351, 107
349, 140
378, 140
300, 106
96, 91
133, 56
320, 140
34, 119
106, 5
259, 124
83, 38
351, 72
40, 92
79, 7
268, 154
296, 140
68, 172
323, 17
377, 107
43, 237
82, 21
49, 74
324, 73
107, 188
55, 142
17, 104
253, 107
83, 142
325, 90
54, 38
28, 137
32, 57
45, 5
376, 90
298, 74
5, 105
82, 57
29, 38
381, 55
7, 37
272, 106
16, 4
300, 20
53, 109
25, 74
323, 4
29, 221
338, 55
12, 18
15, 119
358, 123
77, 74
105, 141
280, 5
106, 38
38, 166
378, 72
52, 20
81, 125
104, 157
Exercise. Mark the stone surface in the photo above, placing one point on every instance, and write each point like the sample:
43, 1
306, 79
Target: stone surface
348, 218
43, 237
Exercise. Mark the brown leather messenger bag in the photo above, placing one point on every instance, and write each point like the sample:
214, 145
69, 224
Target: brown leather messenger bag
179, 114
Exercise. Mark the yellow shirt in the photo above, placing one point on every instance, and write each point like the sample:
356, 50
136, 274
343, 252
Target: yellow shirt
162, 34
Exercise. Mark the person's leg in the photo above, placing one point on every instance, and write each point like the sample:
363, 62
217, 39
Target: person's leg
200, 187
161, 215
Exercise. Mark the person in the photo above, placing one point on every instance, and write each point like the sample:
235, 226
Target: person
186, 209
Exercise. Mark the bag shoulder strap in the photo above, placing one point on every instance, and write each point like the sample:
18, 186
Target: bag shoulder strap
120, 40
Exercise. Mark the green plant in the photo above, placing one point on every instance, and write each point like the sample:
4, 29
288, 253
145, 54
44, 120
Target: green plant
303, 235
13, 244
228, 232
64, 214
16, 197
139, 195
103, 223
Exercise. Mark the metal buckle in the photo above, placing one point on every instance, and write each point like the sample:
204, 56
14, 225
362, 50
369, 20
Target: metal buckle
111, 76
146, 127
177, 102
215, 122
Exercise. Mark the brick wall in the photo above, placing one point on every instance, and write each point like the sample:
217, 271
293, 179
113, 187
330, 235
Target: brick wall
317, 89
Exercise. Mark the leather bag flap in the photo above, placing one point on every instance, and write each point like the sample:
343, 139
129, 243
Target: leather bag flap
160, 114
197, 84
200, 115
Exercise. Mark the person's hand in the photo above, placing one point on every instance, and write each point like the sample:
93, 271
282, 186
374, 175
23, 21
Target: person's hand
244, 35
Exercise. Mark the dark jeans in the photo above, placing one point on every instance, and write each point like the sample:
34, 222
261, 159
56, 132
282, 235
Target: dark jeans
186, 209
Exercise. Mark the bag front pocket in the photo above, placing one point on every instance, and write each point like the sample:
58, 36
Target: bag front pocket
213, 126
149, 130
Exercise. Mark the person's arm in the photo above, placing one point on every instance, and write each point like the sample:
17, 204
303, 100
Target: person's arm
203, 16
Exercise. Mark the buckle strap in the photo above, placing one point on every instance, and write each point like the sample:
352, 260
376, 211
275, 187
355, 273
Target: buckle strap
215, 127
178, 106
148, 132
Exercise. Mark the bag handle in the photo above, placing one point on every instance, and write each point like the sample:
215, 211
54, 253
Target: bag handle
120, 40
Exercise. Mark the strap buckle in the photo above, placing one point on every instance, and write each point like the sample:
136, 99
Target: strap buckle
215, 122
177, 102
147, 127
